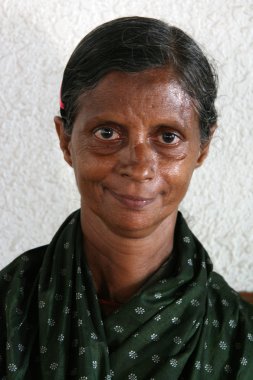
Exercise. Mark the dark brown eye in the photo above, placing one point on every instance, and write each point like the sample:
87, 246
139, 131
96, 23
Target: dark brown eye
106, 133
168, 138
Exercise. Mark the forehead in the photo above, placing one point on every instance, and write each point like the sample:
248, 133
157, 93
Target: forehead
155, 91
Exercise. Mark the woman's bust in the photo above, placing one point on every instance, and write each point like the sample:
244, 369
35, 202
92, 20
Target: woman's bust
125, 290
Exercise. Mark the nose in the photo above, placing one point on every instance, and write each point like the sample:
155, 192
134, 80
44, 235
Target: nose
138, 162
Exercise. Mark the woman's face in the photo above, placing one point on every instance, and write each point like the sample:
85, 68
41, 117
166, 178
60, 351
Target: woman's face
134, 146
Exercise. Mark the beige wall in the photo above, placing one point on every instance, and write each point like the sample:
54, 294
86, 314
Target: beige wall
37, 188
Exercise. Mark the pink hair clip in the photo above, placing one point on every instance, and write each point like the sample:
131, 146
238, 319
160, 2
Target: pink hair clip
61, 102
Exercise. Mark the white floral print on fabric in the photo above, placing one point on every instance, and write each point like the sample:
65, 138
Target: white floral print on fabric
58, 297
177, 340
175, 320
173, 362
66, 310
25, 258
81, 351
43, 349
133, 354
243, 361
53, 366
42, 304
7, 277
21, 347
51, 322
223, 345
132, 376
225, 302
139, 310
197, 365
78, 296
118, 329
208, 368
93, 336
94, 364
228, 368
216, 323
12, 367
61, 338
232, 323
195, 302
154, 337
139, 325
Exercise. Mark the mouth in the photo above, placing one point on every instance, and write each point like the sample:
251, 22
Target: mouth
132, 201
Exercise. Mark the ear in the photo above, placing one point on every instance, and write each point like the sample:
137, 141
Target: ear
204, 148
64, 139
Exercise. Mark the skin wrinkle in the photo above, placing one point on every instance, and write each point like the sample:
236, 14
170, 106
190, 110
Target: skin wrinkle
181, 99
123, 241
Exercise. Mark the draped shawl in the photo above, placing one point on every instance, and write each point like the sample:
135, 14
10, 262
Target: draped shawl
188, 324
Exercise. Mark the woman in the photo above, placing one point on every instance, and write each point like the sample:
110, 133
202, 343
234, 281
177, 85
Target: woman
125, 290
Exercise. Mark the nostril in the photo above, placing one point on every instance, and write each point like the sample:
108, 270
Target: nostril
137, 163
138, 172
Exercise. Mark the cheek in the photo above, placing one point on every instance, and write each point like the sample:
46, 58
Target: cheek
177, 176
90, 171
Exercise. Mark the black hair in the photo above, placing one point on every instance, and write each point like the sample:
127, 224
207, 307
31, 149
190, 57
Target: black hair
134, 44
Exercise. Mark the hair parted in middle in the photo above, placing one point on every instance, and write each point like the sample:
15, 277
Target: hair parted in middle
134, 44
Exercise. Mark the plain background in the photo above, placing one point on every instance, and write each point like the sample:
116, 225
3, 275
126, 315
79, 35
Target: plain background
38, 189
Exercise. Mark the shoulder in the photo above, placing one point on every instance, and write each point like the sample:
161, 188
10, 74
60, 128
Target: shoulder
34, 255
224, 295
229, 311
22, 270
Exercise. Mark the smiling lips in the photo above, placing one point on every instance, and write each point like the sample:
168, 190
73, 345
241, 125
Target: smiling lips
132, 202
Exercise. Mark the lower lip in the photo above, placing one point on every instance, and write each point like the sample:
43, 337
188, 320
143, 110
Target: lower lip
131, 202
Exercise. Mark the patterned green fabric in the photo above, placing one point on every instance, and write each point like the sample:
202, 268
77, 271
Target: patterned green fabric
189, 325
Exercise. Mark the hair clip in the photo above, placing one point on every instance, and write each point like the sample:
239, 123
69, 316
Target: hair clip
61, 102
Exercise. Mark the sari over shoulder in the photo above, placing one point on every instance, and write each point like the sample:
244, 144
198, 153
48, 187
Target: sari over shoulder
183, 324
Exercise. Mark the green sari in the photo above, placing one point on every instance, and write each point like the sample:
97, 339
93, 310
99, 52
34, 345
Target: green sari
186, 323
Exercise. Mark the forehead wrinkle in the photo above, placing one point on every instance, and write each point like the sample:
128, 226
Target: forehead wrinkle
107, 94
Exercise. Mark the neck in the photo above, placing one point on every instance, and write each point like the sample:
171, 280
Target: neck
120, 265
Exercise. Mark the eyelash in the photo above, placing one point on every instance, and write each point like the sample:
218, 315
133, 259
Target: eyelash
171, 134
105, 128
109, 130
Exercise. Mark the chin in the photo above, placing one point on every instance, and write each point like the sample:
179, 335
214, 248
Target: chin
136, 226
